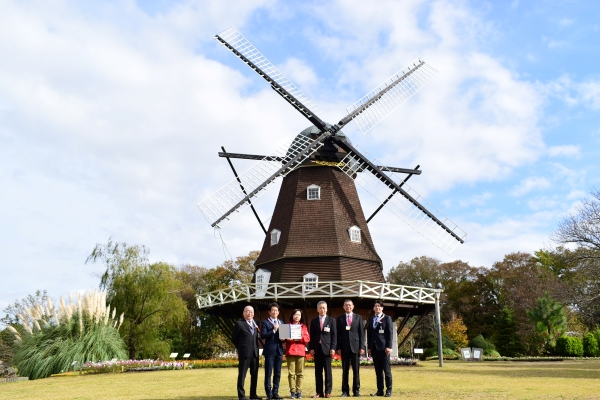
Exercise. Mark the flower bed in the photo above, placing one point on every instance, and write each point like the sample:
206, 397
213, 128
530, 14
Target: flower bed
130, 365
222, 362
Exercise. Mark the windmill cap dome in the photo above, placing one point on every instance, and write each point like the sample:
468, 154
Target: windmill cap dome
313, 130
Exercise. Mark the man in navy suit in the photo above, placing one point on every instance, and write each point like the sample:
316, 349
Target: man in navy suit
379, 342
350, 345
323, 342
273, 352
245, 339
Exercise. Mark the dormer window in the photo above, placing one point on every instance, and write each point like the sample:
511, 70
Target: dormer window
354, 232
262, 277
310, 281
313, 192
275, 234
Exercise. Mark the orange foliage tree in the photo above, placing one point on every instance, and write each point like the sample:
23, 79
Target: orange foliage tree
456, 330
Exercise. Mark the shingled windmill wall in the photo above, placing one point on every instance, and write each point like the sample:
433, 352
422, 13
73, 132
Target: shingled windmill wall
314, 233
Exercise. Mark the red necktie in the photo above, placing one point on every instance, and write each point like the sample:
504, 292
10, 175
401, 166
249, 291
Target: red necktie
349, 319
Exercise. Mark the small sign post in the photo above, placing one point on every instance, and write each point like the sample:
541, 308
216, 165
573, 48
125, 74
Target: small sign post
417, 351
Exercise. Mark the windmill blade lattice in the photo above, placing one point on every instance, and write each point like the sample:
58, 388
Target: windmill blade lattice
385, 98
235, 39
402, 207
259, 176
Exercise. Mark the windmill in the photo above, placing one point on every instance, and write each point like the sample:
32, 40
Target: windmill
318, 230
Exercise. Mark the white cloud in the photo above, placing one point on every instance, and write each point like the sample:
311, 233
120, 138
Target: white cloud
299, 72
566, 22
554, 44
590, 93
566, 150
476, 200
574, 93
531, 183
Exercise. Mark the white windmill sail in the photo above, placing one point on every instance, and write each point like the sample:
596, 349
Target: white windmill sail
235, 39
388, 96
258, 176
402, 207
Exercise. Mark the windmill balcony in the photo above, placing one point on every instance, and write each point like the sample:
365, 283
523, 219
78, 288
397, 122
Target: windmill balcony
302, 291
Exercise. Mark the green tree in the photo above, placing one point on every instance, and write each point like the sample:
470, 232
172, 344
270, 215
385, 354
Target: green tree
201, 336
147, 293
549, 318
590, 345
569, 346
507, 341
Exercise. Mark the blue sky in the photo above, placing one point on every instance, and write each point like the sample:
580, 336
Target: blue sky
111, 115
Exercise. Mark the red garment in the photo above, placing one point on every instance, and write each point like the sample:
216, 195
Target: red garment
298, 347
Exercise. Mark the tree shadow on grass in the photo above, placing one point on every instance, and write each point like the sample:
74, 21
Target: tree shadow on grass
533, 370
206, 396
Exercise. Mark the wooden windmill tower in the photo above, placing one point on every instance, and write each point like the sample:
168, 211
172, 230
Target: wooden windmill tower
318, 231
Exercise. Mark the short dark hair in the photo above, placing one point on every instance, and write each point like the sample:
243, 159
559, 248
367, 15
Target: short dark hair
348, 301
380, 302
294, 312
274, 305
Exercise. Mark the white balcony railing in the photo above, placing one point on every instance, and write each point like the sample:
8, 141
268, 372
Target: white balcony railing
300, 290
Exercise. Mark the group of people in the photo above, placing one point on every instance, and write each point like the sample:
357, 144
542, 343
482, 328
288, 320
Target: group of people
325, 336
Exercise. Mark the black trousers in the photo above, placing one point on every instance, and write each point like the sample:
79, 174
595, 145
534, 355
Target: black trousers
350, 359
247, 363
322, 362
381, 362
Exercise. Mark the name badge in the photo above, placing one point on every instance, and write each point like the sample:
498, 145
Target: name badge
326, 329
347, 328
381, 331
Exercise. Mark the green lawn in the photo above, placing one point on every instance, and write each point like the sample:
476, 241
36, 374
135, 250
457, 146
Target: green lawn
493, 380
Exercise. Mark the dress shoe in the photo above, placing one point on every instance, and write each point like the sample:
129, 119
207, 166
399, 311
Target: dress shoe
388, 393
276, 396
356, 394
327, 395
255, 398
344, 394
380, 394
317, 396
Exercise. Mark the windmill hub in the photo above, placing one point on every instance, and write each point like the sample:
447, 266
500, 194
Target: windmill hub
330, 153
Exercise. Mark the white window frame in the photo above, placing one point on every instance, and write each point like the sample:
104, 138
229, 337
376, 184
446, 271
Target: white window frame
261, 279
275, 235
311, 188
354, 233
310, 281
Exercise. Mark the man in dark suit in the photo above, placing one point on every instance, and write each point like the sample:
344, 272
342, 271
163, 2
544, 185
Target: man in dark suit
350, 345
245, 339
323, 342
273, 352
379, 342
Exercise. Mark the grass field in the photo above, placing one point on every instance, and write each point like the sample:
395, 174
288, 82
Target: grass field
456, 380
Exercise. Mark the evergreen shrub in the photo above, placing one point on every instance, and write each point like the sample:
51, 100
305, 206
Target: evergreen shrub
449, 354
568, 346
590, 345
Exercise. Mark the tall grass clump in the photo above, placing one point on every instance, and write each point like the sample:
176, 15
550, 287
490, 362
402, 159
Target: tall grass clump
82, 330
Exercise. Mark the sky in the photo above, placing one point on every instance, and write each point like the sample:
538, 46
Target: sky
112, 114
